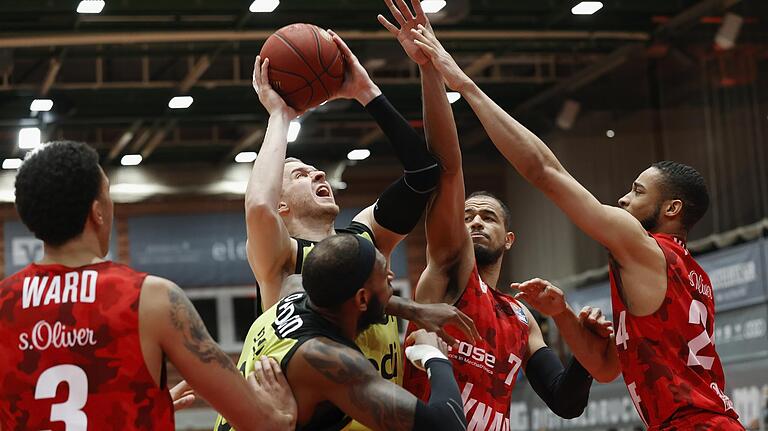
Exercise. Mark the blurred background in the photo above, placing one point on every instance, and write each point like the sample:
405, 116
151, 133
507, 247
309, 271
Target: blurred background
162, 89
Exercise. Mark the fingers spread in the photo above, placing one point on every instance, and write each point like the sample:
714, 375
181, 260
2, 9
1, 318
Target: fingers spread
388, 25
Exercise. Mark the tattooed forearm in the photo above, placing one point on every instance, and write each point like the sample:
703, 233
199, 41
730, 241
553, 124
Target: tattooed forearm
194, 335
388, 405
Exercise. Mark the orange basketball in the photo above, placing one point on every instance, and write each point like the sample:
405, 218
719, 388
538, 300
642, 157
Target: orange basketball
305, 66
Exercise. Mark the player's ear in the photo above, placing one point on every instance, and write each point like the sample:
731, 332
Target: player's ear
97, 212
509, 239
282, 208
362, 298
673, 208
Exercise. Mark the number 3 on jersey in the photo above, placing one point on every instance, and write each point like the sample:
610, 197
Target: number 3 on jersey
70, 411
621, 334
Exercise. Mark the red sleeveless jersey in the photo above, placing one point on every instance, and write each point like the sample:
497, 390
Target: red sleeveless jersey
71, 357
486, 372
668, 358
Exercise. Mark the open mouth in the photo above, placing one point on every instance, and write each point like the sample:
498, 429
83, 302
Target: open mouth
323, 191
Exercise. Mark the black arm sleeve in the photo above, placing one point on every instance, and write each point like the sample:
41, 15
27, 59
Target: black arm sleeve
401, 205
564, 389
444, 410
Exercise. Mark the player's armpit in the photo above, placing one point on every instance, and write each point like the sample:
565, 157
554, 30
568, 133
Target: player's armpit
349, 381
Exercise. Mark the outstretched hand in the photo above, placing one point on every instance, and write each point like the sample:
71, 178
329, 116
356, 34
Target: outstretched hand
434, 318
407, 22
454, 77
594, 320
542, 295
273, 103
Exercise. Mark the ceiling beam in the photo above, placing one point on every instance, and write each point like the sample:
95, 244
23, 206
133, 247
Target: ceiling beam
618, 56
247, 141
54, 65
195, 72
124, 38
123, 141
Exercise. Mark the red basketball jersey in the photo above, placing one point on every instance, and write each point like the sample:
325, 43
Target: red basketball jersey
70, 359
486, 372
668, 358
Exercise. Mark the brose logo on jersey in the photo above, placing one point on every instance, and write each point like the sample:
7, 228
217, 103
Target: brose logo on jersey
469, 353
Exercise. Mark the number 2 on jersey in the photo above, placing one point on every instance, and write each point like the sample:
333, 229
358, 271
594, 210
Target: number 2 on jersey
70, 411
698, 315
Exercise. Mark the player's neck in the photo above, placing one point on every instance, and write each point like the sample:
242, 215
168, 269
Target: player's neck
345, 322
77, 252
672, 229
490, 273
311, 228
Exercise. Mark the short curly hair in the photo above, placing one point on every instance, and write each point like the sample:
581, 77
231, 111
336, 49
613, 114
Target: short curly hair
680, 181
55, 188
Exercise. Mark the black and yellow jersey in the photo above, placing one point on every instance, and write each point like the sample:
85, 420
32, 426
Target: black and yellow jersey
278, 333
379, 343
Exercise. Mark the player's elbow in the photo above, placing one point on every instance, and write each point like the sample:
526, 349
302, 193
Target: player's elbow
570, 410
259, 210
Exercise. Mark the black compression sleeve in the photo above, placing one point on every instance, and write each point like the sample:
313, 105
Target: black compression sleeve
564, 389
401, 205
444, 410
410, 147
399, 208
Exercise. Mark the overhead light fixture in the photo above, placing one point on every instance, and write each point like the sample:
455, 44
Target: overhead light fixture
180, 102
29, 137
245, 157
610, 133
90, 6
11, 163
359, 154
263, 5
131, 159
293, 130
41, 105
453, 96
432, 6
587, 7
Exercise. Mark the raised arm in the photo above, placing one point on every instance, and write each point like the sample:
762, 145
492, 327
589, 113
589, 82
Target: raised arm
400, 206
168, 320
349, 381
445, 252
270, 247
616, 229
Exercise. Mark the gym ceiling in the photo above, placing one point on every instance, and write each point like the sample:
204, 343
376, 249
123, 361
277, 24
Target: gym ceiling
112, 74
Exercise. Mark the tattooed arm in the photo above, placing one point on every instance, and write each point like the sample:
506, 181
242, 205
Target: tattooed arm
170, 326
346, 378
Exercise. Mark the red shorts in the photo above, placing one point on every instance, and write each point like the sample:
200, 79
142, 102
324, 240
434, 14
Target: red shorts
701, 422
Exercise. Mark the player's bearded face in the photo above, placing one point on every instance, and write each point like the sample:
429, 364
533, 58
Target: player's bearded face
485, 255
644, 199
373, 315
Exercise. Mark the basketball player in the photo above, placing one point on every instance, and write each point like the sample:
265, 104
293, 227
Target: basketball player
311, 331
84, 340
289, 207
663, 306
463, 269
